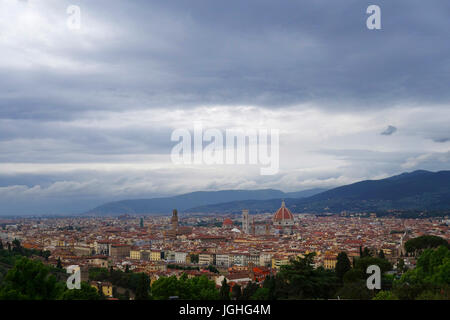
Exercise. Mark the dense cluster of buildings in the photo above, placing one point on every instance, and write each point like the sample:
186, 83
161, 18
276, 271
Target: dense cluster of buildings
242, 248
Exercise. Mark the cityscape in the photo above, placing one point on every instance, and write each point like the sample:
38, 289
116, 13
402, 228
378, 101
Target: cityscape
210, 158
231, 250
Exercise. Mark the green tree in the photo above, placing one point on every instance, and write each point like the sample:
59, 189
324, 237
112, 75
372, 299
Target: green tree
356, 290
45, 254
85, 293
342, 265
224, 290
353, 275
30, 280
300, 280
202, 288
362, 264
249, 290
194, 258
385, 295
212, 269
417, 245
433, 295
236, 292
354, 280
142, 290
431, 277
366, 252
261, 294
99, 274
1, 245
58, 263
17, 247
270, 283
196, 288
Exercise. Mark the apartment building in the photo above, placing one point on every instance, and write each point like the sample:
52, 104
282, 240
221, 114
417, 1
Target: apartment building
223, 260
206, 258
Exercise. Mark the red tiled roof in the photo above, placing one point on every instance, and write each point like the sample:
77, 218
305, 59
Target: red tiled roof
227, 222
283, 213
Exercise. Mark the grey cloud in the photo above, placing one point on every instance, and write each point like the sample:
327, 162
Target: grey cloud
441, 140
368, 163
389, 131
255, 52
428, 161
181, 54
27, 140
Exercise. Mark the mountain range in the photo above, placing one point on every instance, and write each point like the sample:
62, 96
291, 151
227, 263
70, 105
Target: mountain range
186, 201
418, 190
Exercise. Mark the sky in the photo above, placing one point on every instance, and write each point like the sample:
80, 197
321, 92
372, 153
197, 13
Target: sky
86, 115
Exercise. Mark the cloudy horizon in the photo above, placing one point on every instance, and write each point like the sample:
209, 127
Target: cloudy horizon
86, 115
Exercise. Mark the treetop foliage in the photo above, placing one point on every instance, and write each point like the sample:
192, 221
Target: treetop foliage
425, 242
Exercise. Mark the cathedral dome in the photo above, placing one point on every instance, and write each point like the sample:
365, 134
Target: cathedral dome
227, 222
283, 216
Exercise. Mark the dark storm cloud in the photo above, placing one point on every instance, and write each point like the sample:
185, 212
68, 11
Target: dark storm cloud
267, 53
389, 130
276, 54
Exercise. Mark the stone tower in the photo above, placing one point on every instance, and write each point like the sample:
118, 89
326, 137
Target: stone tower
174, 224
253, 226
245, 222
174, 220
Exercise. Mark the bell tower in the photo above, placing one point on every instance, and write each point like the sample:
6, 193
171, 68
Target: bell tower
245, 222
174, 224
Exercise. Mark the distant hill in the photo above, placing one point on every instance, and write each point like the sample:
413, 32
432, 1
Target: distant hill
194, 199
418, 190
304, 193
254, 206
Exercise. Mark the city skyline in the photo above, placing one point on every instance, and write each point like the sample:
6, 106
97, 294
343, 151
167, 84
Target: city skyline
236, 257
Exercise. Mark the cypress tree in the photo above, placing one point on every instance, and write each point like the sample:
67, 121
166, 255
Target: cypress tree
58, 264
236, 292
224, 290
342, 265
143, 287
